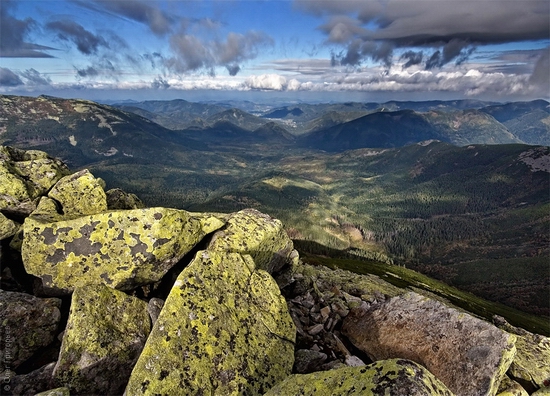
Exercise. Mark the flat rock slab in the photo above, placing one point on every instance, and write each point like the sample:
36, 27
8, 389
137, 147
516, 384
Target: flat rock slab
122, 249
105, 334
469, 355
224, 330
27, 323
396, 377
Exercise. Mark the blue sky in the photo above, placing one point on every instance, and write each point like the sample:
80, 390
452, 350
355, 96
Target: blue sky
312, 50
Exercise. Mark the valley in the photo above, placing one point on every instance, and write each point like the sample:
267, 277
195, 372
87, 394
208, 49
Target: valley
456, 190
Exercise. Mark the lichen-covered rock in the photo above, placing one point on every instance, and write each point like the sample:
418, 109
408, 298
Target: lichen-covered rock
104, 336
55, 392
396, 377
80, 194
47, 207
122, 249
25, 176
531, 365
257, 234
8, 227
224, 330
27, 324
119, 199
509, 387
469, 355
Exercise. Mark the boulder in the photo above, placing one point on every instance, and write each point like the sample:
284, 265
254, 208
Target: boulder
469, 355
257, 234
224, 330
509, 387
55, 392
80, 194
29, 384
25, 176
8, 228
531, 365
396, 377
28, 324
122, 249
119, 199
104, 336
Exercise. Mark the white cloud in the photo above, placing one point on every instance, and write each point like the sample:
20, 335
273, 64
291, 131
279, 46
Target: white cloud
273, 82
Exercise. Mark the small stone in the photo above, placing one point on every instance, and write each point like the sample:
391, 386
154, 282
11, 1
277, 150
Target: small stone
316, 329
354, 361
308, 360
153, 308
325, 312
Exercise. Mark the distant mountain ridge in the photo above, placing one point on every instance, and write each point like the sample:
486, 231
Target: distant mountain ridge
343, 126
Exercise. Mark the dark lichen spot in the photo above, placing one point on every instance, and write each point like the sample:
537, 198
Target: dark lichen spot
157, 216
163, 374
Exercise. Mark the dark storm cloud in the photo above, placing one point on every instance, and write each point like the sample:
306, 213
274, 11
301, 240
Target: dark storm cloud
14, 35
160, 83
452, 28
192, 53
412, 57
233, 69
358, 50
541, 74
9, 78
143, 12
90, 71
86, 42
35, 78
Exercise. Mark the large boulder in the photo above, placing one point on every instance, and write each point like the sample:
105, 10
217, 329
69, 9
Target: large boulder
104, 336
28, 324
257, 234
469, 355
80, 194
122, 249
396, 377
224, 330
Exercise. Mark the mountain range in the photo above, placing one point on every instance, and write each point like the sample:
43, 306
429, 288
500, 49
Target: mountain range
457, 190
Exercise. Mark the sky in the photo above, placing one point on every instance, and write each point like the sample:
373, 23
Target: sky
270, 50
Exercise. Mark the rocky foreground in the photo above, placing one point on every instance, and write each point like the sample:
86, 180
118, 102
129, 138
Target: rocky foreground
101, 296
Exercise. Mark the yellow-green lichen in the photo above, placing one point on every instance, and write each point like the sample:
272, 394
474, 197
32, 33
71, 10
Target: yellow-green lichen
509, 387
63, 391
389, 377
532, 361
123, 249
257, 234
8, 227
223, 330
104, 336
80, 194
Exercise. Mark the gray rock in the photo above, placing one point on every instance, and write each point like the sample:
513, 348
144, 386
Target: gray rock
27, 324
307, 360
32, 383
469, 355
